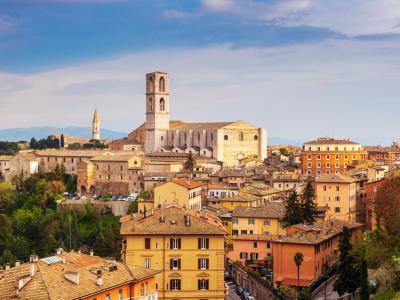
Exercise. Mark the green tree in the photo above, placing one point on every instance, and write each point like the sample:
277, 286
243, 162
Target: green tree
298, 260
308, 206
190, 163
364, 294
133, 207
348, 274
2, 178
7, 197
62, 141
293, 214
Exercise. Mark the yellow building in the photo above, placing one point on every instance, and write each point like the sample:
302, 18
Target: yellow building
182, 192
265, 219
187, 246
338, 192
236, 201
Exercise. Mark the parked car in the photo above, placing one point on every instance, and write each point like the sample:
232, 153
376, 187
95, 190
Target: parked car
239, 290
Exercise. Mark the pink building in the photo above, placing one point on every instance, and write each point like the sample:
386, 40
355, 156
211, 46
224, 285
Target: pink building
250, 247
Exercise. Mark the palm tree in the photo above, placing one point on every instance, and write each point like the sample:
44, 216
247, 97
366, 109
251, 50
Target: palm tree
298, 259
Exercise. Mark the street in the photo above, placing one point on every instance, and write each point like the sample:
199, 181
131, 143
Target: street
231, 295
330, 293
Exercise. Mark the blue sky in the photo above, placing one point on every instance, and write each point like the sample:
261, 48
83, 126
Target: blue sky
300, 68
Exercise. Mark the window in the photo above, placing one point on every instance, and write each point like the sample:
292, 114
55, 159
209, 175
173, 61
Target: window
150, 104
203, 243
162, 104
256, 137
346, 157
203, 284
309, 157
243, 255
147, 263
175, 284
162, 84
328, 156
241, 136
319, 165
225, 137
253, 256
309, 165
203, 263
250, 221
337, 157
324, 187
243, 232
108, 297
268, 245
337, 165
175, 243
120, 295
337, 188
267, 223
337, 198
147, 243
255, 244
175, 264
235, 232
337, 209
318, 157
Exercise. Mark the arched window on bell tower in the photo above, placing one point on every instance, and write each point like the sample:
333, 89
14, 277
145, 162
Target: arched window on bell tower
162, 104
150, 104
150, 85
162, 84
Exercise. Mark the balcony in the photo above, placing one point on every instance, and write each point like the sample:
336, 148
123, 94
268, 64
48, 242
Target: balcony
152, 296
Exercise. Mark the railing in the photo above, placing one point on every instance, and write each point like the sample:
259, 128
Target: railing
152, 296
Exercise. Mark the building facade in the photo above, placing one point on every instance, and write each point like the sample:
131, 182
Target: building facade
187, 246
328, 155
338, 192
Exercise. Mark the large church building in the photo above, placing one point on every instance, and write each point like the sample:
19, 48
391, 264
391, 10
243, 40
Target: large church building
228, 142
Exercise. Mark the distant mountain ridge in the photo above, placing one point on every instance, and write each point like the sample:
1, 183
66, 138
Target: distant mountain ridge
25, 134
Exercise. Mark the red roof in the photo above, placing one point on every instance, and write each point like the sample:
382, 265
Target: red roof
293, 282
189, 184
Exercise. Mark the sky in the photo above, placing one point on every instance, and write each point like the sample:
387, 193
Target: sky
299, 68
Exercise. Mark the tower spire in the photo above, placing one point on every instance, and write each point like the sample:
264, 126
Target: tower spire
96, 126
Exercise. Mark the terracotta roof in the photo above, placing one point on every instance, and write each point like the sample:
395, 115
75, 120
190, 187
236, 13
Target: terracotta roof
221, 187
293, 282
6, 157
216, 209
111, 156
173, 224
270, 210
335, 178
49, 281
189, 184
239, 198
70, 153
259, 189
317, 233
331, 141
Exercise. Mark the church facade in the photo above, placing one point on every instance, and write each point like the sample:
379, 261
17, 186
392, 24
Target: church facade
228, 142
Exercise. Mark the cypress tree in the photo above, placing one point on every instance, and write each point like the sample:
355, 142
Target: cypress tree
62, 142
293, 214
348, 275
364, 293
190, 163
309, 208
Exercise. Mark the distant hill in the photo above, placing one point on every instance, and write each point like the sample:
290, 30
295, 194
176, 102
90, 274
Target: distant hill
25, 134
275, 141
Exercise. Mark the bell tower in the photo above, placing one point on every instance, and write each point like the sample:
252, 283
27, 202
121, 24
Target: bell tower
96, 126
157, 110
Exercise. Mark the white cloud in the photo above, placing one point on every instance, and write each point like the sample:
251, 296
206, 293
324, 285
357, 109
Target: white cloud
218, 5
352, 17
333, 87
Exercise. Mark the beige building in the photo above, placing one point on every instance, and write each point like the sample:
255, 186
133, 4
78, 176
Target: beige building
187, 246
118, 173
338, 192
228, 142
50, 158
182, 192
5, 166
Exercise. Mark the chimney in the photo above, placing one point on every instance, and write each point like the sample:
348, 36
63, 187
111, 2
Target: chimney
59, 251
7, 267
33, 258
162, 217
91, 252
17, 263
99, 280
72, 276
187, 220
32, 269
